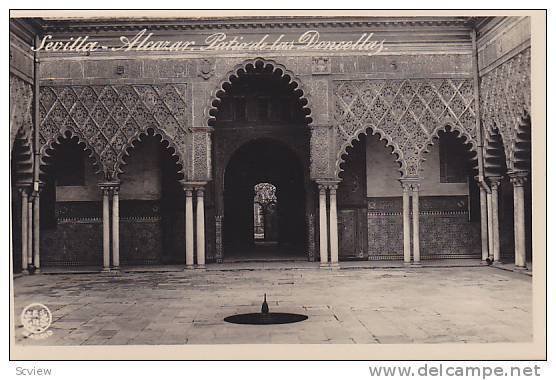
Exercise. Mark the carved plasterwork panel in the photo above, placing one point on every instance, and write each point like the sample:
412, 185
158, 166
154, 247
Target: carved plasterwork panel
200, 167
320, 152
506, 100
21, 109
407, 113
110, 118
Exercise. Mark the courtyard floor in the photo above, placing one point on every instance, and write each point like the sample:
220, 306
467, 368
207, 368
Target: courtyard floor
350, 305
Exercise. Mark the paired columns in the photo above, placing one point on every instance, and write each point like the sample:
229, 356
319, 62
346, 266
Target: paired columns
494, 225
490, 223
194, 224
328, 233
410, 212
30, 228
110, 192
518, 180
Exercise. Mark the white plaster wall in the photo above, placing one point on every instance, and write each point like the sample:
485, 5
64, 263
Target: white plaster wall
141, 179
89, 192
142, 176
383, 174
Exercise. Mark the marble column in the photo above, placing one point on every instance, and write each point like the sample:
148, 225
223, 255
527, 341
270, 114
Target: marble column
323, 230
115, 228
333, 226
200, 227
494, 186
189, 248
484, 223
30, 229
36, 232
416, 248
518, 180
105, 229
406, 188
24, 228
489, 226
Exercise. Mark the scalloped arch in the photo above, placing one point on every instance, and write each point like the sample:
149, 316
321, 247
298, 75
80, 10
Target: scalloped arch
468, 141
124, 153
461, 133
70, 134
518, 128
365, 131
214, 98
490, 128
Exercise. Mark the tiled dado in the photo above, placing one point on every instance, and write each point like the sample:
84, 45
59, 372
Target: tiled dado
428, 205
456, 238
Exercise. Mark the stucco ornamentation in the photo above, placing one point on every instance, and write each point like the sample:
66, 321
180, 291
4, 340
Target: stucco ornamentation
506, 102
407, 114
21, 108
108, 119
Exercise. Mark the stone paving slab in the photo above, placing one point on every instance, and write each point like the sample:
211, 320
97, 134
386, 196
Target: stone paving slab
361, 305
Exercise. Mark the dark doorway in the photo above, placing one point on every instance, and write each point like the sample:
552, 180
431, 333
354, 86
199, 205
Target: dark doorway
264, 161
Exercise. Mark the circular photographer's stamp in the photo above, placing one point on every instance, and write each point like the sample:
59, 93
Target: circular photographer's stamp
36, 319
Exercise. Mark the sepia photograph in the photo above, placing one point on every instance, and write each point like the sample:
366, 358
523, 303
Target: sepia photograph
226, 183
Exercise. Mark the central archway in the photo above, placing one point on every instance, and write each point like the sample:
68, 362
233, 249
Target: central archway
260, 111
264, 161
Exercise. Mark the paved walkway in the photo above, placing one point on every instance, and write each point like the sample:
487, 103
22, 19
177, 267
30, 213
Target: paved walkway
356, 305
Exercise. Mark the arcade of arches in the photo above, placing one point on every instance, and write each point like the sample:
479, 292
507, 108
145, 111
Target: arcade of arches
192, 161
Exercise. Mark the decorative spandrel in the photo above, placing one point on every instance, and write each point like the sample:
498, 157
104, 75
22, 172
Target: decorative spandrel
506, 101
109, 118
21, 103
406, 113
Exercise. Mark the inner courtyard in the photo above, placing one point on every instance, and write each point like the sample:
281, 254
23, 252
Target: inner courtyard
400, 305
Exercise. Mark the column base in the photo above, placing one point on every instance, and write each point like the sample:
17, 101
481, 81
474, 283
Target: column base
201, 267
115, 269
407, 263
105, 270
416, 264
24, 271
189, 267
323, 265
520, 269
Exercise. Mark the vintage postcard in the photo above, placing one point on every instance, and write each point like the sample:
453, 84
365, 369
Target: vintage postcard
198, 185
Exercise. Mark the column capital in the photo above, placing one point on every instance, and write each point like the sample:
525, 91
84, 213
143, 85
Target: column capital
494, 181
24, 188
328, 184
36, 189
109, 186
518, 178
191, 185
410, 183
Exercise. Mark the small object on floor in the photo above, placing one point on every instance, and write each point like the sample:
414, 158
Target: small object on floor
488, 261
264, 307
265, 317
32, 269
